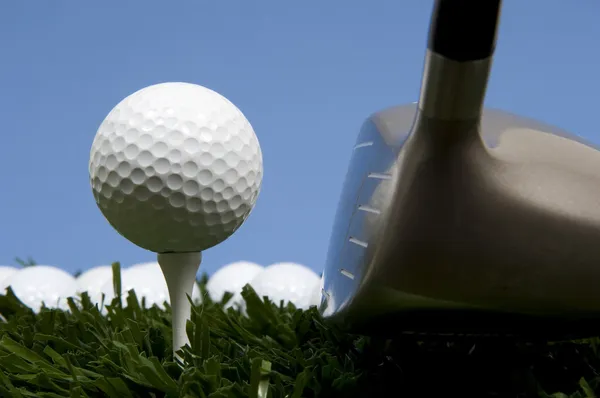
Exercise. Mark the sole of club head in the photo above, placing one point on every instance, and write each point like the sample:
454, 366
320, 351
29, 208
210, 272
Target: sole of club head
495, 237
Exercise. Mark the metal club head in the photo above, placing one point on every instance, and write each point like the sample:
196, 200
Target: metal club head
455, 219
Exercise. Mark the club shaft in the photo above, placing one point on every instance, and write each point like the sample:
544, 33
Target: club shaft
461, 44
464, 30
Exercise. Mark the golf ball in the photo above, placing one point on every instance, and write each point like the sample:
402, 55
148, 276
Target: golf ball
317, 293
42, 284
232, 278
175, 167
138, 265
91, 281
148, 282
5, 272
289, 282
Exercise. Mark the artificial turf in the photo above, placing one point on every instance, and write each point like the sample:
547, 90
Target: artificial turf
273, 351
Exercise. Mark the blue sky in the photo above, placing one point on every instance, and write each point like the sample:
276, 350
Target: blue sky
306, 74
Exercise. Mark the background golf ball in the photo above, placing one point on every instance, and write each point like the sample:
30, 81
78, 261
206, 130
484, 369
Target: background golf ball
5, 272
139, 265
317, 292
232, 278
175, 167
148, 282
92, 280
42, 283
289, 282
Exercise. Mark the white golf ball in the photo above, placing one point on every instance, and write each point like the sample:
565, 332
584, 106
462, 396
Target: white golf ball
148, 281
175, 167
92, 280
317, 293
232, 278
138, 265
5, 272
289, 282
152, 269
42, 283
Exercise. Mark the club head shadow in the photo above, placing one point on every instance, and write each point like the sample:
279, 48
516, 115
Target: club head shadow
455, 219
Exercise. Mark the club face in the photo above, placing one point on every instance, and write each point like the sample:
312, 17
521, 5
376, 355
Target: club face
501, 217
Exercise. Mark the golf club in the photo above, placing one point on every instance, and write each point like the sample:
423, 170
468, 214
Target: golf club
455, 219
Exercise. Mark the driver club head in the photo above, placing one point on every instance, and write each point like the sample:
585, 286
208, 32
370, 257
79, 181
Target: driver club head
455, 219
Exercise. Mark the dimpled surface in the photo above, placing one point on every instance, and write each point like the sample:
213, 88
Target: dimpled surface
175, 167
232, 278
288, 282
42, 283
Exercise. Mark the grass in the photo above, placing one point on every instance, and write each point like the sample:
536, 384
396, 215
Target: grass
275, 351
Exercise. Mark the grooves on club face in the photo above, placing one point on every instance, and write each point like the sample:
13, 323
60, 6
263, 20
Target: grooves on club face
463, 220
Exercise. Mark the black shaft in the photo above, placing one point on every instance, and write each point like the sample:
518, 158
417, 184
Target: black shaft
464, 30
